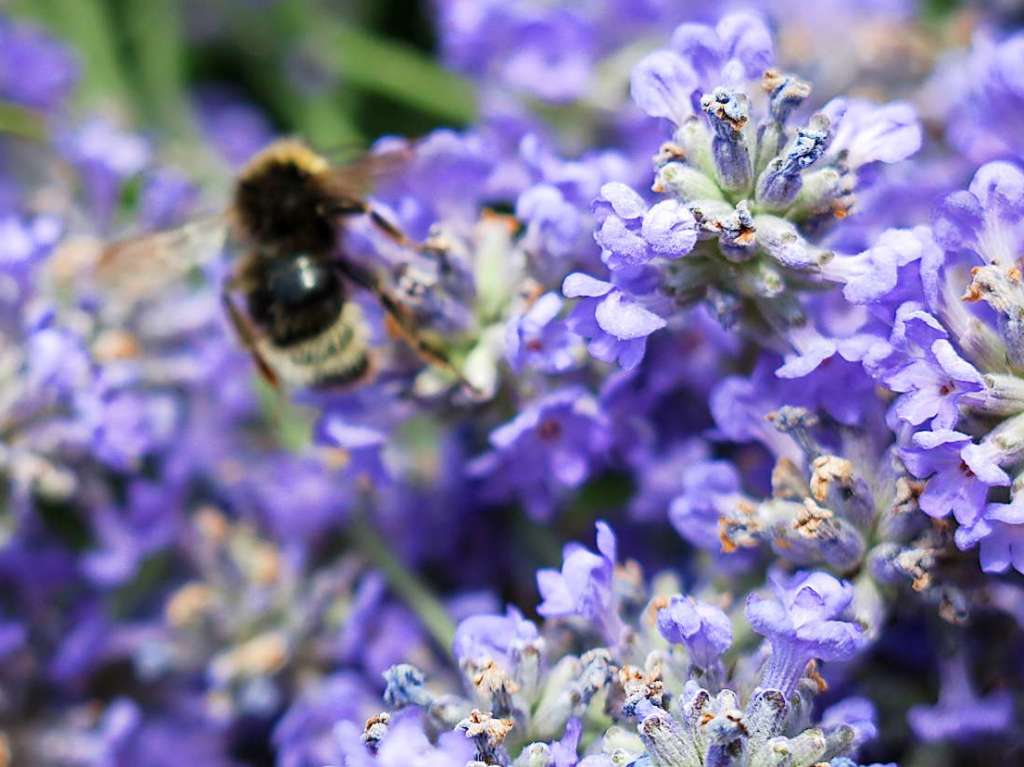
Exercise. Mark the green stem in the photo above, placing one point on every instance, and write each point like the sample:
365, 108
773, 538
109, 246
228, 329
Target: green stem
320, 115
396, 71
20, 122
544, 548
404, 583
153, 32
291, 423
358, 59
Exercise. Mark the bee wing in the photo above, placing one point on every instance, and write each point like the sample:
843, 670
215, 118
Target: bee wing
352, 181
139, 267
45, 180
343, 152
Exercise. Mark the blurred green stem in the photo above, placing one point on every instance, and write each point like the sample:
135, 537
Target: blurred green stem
291, 423
410, 589
396, 71
21, 122
356, 58
270, 43
153, 31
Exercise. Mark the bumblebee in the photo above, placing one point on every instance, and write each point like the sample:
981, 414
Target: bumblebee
296, 316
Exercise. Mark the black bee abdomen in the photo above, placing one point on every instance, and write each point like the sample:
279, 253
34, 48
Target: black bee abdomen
341, 379
296, 298
284, 208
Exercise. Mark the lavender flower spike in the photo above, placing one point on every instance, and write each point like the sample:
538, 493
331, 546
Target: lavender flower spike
809, 617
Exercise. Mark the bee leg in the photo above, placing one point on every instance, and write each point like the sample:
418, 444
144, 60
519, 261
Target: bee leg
367, 280
427, 351
402, 325
390, 229
247, 337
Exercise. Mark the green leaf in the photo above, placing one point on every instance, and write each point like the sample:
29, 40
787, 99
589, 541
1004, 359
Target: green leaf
405, 584
397, 71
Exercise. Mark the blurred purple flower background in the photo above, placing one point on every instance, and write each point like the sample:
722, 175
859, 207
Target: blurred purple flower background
712, 453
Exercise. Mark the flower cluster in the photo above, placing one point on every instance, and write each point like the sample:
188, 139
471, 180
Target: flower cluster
954, 367
654, 689
745, 199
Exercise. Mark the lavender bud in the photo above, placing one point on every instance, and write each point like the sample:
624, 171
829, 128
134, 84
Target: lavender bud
833, 484
495, 687
375, 730
729, 112
403, 686
797, 422
693, 139
727, 740
786, 93
765, 717
737, 234
1001, 288
534, 755
774, 753
692, 706
1003, 395
572, 685
808, 747
821, 194
805, 534
685, 183
900, 520
781, 180
666, 742
488, 734
780, 240
763, 279
788, 482
881, 563
624, 747
838, 740
595, 674
710, 215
